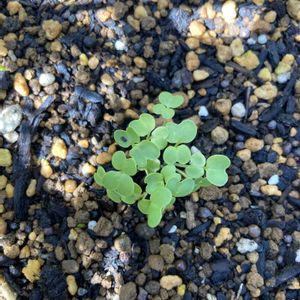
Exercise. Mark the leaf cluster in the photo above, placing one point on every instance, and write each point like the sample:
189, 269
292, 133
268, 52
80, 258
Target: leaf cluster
170, 168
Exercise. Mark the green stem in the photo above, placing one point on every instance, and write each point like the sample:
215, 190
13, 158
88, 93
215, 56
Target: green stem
180, 165
182, 173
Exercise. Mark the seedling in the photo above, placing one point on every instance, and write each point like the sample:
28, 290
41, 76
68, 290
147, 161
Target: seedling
160, 152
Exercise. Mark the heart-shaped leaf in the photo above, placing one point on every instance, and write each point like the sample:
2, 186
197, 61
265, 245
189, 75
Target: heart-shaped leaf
143, 152
144, 206
169, 172
216, 166
183, 132
181, 154
201, 182
153, 181
159, 137
98, 176
131, 199
121, 163
144, 125
114, 196
165, 112
180, 188
161, 197
118, 182
152, 166
169, 100
126, 138
196, 168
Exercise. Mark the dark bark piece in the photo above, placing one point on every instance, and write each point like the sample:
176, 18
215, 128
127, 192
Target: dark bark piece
157, 81
5, 80
83, 93
270, 113
243, 128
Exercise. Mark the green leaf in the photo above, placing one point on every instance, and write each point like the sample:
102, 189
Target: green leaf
126, 138
131, 199
159, 137
153, 181
169, 172
114, 196
3, 69
144, 206
98, 176
143, 152
154, 218
118, 182
121, 163
110, 179
144, 125
153, 165
161, 197
169, 100
201, 182
216, 166
165, 112
196, 168
181, 154
180, 188
183, 132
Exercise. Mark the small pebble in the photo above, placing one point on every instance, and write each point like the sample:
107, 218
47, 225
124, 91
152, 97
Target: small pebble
238, 110
173, 229
283, 78
10, 118
203, 112
246, 245
262, 39
46, 79
5, 158
120, 46
272, 125
297, 259
273, 180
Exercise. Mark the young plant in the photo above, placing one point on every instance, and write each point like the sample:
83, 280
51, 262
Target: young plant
170, 168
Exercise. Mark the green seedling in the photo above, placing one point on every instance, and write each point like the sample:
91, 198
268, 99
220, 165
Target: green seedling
3, 69
160, 152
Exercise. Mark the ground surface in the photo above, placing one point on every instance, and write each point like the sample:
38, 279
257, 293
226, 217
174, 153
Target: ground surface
73, 72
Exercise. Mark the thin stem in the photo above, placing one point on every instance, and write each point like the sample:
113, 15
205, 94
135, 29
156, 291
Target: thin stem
180, 165
182, 173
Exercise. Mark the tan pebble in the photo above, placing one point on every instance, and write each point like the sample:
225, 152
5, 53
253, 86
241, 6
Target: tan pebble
223, 106
70, 186
259, 2
11, 251
130, 113
297, 38
162, 4
107, 80
88, 169
46, 170
277, 148
3, 226
22, 15
20, 85
59, 148
3, 50
32, 270
30, 192
219, 135
237, 47
254, 144
112, 149
192, 61
282, 68
93, 62
134, 23
270, 16
293, 133
288, 59
73, 235
83, 59
181, 290
271, 190
229, 10
5, 158
72, 285
83, 143
265, 75
244, 154
103, 158
140, 12
224, 53
9, 190
25, 252
248, 60
196, 28
223, 235
199, 75
3, 182
52, 29
293, 9
56, 46
169, 282
268, 91
192, 42
102, 15
32, 236
140, 62
13, 7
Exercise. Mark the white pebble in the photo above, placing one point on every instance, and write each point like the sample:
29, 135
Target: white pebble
92, 224
238, 110
297, 259
194, 149
273, 180
10, 118
120, 46
203, 112
173, 229
283, 78
46, 79
251, 41
11, 137
246, 245
262, 39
